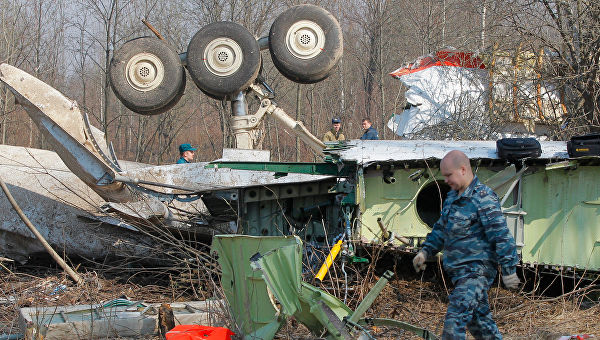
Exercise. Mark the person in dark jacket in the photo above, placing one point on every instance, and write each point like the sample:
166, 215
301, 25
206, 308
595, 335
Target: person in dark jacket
475, 240
186, 151
369, 131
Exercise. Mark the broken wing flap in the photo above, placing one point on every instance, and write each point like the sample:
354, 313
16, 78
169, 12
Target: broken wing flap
59, 120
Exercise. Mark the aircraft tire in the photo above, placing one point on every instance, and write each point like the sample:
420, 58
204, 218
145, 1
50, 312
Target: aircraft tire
305, 43
223, 58
146, 75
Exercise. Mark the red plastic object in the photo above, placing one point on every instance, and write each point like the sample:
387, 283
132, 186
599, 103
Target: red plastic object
198, 332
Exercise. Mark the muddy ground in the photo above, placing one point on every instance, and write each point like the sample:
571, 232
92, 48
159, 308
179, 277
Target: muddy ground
419, 300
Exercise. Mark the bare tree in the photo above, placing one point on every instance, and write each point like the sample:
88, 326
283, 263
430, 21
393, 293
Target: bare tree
569, 30
101, 25
12, 41
32, 38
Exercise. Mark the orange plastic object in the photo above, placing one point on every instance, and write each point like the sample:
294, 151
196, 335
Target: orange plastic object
198, 332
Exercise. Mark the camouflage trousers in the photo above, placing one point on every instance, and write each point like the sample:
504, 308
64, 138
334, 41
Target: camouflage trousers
469, 307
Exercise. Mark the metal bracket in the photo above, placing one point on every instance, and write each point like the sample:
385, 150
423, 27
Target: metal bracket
243, 126
249, 122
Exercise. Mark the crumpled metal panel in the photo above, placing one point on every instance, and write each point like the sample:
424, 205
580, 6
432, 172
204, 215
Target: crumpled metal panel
244, 288
279, 260
282, 270
194, 177
63, 208
117, 318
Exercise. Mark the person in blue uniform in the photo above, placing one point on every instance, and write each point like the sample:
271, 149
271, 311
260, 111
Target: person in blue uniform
186, 153
474, 238
369, 131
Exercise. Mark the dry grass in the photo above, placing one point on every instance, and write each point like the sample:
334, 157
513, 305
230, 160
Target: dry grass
423, 303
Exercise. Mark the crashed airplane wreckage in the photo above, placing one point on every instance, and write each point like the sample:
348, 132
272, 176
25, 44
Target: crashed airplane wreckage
148, 77
366, 192
390, 192
450, 87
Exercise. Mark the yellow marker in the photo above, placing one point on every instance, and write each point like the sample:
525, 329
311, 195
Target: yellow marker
329, 260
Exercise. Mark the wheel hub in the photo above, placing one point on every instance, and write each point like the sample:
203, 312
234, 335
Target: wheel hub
223, 57
144, 72
305, 39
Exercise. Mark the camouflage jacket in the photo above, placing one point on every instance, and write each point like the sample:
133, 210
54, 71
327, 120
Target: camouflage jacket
472, 233
331, 136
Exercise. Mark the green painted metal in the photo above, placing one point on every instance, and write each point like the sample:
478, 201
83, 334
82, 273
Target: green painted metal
562, 223
244, 288
409, 206
285, 167
393, 203
318, 310
382, 322
282, 269
309, 210
279, 259
366, 303
559, 209
552, 209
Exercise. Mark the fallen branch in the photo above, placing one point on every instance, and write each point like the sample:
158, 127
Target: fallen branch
39, 236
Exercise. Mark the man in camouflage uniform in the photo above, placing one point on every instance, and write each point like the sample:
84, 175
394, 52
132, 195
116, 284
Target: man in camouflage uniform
473, 235
335, 134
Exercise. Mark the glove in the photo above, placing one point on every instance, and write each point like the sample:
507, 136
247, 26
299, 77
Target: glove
511, 281
419, 261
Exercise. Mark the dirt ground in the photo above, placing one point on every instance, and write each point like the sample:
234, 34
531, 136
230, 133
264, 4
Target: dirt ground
519, 315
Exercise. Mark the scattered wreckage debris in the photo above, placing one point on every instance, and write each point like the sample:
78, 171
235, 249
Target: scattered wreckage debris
120, 200
62, 207
383, 188
364, 191
407, 299
361, 194
115, 318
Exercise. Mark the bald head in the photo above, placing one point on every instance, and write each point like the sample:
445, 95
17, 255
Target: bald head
456, 169
456, 159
